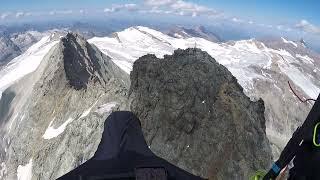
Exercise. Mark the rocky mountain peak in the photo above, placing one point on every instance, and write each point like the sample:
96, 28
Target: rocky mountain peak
63, 104
200, 28
83, 63
190, 106
303, 42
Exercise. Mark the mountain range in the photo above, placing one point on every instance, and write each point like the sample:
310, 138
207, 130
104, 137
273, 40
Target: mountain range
56, 94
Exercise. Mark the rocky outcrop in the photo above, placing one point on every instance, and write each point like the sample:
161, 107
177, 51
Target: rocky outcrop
54, 117
195, 114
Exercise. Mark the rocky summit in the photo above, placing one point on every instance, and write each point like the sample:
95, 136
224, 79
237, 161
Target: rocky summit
195, 114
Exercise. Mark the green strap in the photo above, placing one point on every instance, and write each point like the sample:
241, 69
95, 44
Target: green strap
258, 175
315, 135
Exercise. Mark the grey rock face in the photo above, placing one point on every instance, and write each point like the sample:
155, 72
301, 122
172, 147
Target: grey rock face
54, 116
195, 114
80, 63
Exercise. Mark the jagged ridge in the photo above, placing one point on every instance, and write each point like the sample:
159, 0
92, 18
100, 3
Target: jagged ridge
83, 63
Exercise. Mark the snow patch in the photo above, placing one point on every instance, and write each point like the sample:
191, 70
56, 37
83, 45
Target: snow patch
52, 132
247, 45
12, 121
301, 80
3, 170
87, 112
177, 35
283, 52
305, 58
279, 89
25, 172
106, 108
289, 42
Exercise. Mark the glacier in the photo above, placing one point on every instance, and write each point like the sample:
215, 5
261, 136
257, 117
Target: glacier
126, 46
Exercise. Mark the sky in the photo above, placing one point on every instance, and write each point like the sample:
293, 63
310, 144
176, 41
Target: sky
284, 15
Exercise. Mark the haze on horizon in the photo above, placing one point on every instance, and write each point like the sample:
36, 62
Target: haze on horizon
291, 19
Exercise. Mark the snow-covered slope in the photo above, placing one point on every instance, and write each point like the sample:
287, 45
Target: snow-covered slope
263, 71
25, 63
199, 31
126, 46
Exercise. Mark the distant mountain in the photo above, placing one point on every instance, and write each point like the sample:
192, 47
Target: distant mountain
25, 39
199, 31
304, 44
8, 49
13, 44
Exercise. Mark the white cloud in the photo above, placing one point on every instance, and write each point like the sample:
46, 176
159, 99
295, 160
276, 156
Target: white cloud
107, 10
181, 7
155, 10
194, 14
280, 27
131, 6
63, 12
119, 7
236, 20
159, 2
22, 14
4, 15
181, 13
19, 14
306, 26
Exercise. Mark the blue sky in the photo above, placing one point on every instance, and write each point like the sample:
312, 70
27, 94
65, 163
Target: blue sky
273, 14
283, 10
270, 10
